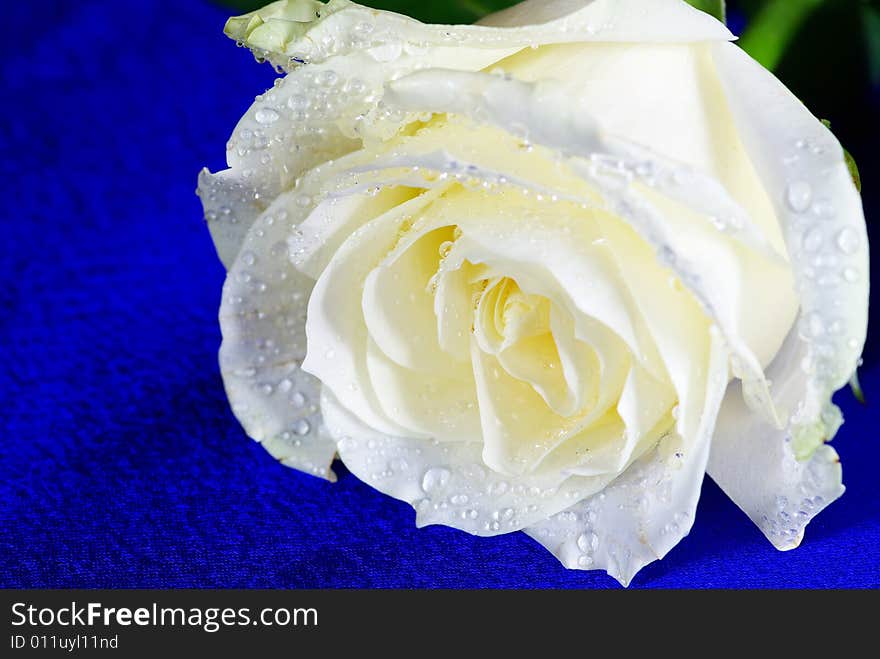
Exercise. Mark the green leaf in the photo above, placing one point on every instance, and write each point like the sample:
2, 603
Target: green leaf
713, 7
853, 169
871, 25
773, 28
856, 387
243, 6
850, 162
450, 11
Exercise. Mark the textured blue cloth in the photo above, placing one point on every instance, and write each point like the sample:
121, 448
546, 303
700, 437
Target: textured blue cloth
122, 465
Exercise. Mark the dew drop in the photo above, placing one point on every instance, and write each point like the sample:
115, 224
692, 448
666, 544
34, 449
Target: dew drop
813, 325
266, 116
799, 195
435, 479
363, 28
497, 488
848, 240
823, 209
587, 542
718, 222
298, 102
327, 78
301, 427
813, 239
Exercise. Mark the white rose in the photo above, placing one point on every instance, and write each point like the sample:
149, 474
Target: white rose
540, 273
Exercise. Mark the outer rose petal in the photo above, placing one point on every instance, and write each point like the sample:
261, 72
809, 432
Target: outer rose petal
756, 467
281, 136
650, 507
290, 32
803, 169
782, 478
448, 483
261, 316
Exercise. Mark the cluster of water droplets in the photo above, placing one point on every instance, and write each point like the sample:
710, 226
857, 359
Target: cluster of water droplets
340, 28
826, 253
450, 484
612, 529
786, 517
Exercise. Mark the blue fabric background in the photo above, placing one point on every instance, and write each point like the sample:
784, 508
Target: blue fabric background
122, 465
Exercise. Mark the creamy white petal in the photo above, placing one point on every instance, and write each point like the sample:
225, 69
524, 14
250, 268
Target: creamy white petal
557, 256
427, 405
262, 317
335, 326
581, 365
320, 234
643, 403
453, 306
283, 33
686, 146
803, 169
647, 510
448, 482
755, 464
519, 428
398, 306
549, 119
312, 115
231, 204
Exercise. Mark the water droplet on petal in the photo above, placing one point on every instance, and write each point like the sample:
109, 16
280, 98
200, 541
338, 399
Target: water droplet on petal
813, 239
435, 479
266, 116
813, 325
799, 195
298, 102
848, 240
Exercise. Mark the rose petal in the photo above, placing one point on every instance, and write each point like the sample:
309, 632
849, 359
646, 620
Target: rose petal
262, 320
335, 325
426, 405
398, 307
311, 116
803, 169
231, 204
549, 119
280, 32
650, 508
448, 483
755, 464
783, 478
